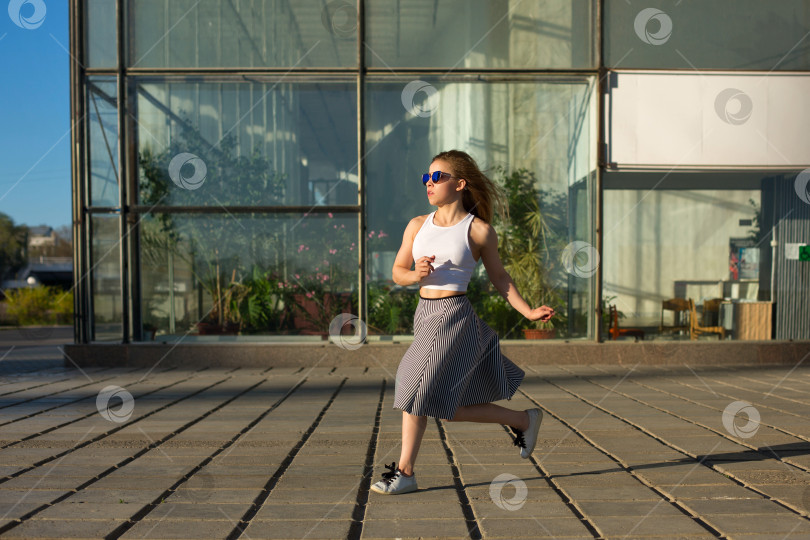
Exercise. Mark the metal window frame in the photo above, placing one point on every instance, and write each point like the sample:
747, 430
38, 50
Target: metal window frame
130, 212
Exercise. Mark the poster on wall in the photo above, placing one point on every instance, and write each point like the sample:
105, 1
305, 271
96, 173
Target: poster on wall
743, 259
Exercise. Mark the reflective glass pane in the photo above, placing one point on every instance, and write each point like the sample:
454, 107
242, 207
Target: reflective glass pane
533, 138
282, 274
102, 107
666, 247
100, 32
491, 34
711, 34
252, 33
106, 277
260, 143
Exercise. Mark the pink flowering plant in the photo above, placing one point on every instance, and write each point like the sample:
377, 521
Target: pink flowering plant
322, 266
377, 240
263, 306
390, 306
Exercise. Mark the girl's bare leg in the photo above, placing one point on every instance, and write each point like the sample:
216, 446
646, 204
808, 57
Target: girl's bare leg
491, 413
413, 428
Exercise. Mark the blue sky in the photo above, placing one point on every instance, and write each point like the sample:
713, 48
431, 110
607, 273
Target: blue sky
35, 118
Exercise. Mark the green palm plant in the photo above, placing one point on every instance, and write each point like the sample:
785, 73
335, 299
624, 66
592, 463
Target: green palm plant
527, 238
205, 244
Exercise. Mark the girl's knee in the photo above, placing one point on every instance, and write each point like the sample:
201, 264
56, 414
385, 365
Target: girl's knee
456, 416
412, 419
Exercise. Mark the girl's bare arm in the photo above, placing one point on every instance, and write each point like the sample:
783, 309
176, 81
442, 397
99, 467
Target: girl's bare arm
501, 279
401, 272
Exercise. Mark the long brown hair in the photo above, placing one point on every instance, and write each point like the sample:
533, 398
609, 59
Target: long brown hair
480, 192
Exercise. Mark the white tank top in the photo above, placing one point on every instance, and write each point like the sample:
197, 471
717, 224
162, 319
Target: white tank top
454, 261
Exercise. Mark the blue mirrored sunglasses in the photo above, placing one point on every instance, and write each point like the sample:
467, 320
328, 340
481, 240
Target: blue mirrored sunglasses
436, 176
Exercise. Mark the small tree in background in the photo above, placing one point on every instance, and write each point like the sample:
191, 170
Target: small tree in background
13, 247
529, 241
40, 305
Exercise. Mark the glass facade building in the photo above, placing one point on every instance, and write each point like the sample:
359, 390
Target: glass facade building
249, 167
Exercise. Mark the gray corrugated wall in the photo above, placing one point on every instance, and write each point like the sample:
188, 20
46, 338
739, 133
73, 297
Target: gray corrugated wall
792, 276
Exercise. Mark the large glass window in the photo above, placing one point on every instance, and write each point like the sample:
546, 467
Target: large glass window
281, 274
106, 278
250, 163
102, 50
229, 145
247, 199
249, 34
102, 129
534, 137
710, 34
246, 144
686, 239
475, 34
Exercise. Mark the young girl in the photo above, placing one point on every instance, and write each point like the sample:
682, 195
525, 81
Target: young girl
454, 368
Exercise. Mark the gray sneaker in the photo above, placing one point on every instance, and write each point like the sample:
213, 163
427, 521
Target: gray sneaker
394, 482
528, 439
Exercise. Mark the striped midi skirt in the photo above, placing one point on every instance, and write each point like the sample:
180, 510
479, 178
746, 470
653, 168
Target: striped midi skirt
455, 360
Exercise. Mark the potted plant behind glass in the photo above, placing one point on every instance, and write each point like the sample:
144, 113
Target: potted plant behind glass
265, 306
526, 238
391, 309
224, 316
542, 330
232, 177
322, 258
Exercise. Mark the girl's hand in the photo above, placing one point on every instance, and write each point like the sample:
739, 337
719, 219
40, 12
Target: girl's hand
423, 267
543, 313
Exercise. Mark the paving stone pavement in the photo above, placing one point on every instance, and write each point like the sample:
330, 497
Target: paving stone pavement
644, 452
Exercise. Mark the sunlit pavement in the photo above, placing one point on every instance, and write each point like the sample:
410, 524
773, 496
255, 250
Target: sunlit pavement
291, 452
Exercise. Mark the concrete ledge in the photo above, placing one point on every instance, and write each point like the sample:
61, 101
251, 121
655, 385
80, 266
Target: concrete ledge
388, 355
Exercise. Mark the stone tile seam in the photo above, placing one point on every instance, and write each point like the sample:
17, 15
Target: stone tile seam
643, 481
361, 500
53, 428
471, 522
686, 453
567, 499
777, 428
105, 434
254, 508
53, 393
786, 462
708, 428
145, 510
758, 392
109, 470
53, 382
